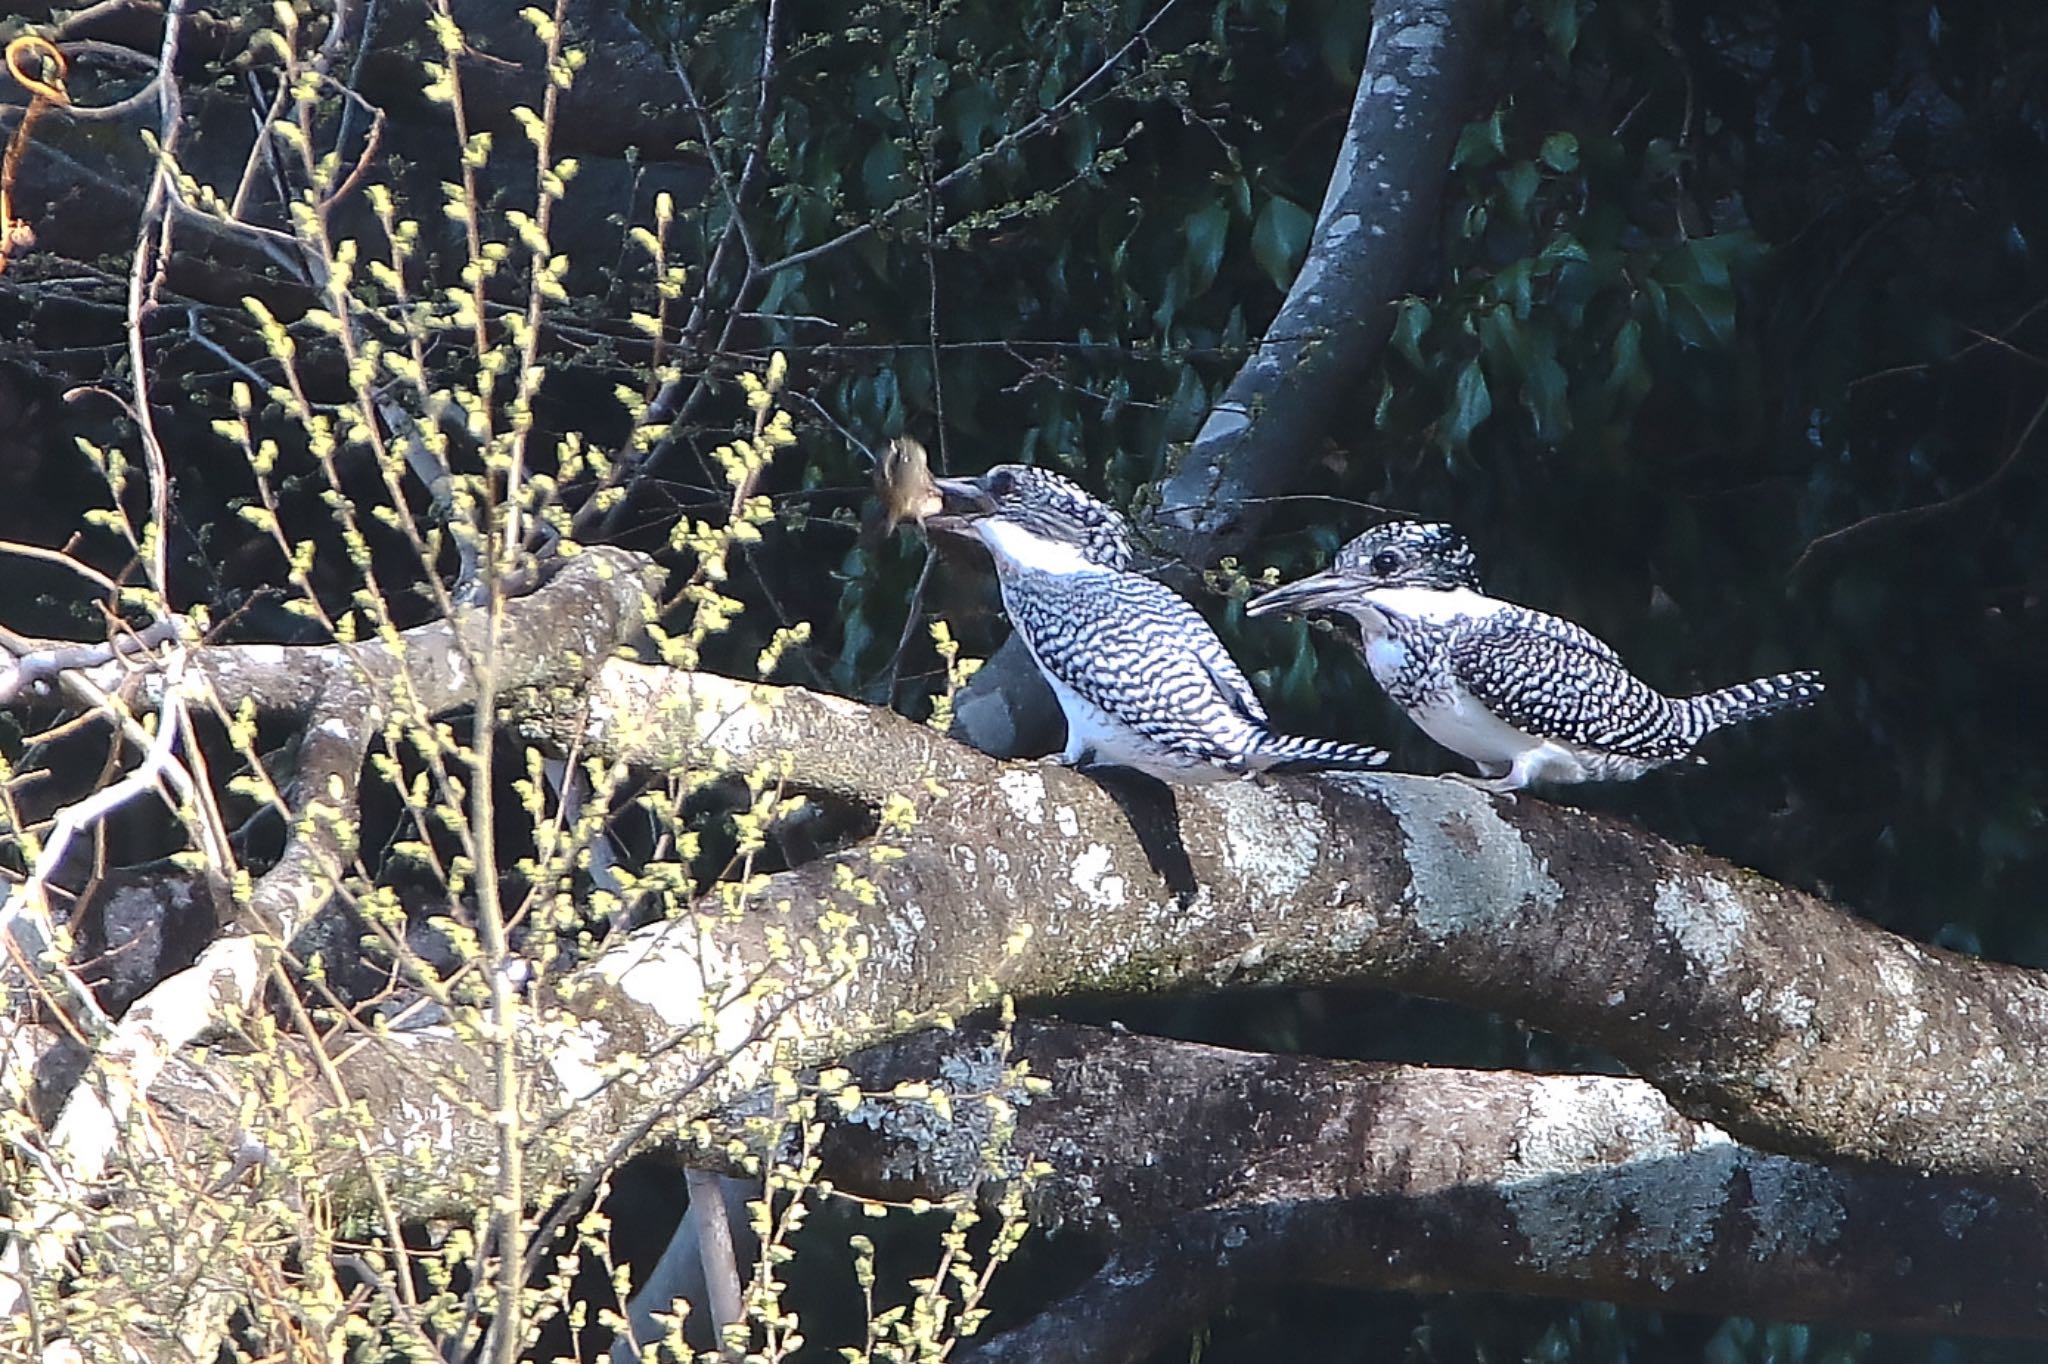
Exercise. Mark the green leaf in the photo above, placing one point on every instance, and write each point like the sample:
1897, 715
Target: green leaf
1626, 377
1564, 247
1205, 231
1480, 144
881, 174
1410, 325
1559, 20
1544, 386
1519, 182
1471, 404
1344, 30
1505, 342
1280, 239
1713, 260
1560, 151
1185, 408
1512, 285
974, 115
1240, 188
1714, 307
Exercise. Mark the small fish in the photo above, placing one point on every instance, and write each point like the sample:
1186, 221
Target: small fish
903, 478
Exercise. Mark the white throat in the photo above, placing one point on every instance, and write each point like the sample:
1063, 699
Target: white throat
1437, 605
1017, 549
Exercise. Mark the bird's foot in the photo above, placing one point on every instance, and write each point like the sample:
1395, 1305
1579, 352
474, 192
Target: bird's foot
1502, 786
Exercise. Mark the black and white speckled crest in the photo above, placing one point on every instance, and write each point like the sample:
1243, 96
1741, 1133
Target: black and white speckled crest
1410, 554
1055, 507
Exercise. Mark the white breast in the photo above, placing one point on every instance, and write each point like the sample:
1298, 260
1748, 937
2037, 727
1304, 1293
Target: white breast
1095, 734
1464, 726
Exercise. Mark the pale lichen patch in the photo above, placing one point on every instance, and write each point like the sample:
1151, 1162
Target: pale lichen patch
1571, 1198
573, 1054
1468, 869
1098, 885
1704, 920
1025, 792
1269, 840
947, 1146
1793, 1008
1418, 37
901, 929
1899, 980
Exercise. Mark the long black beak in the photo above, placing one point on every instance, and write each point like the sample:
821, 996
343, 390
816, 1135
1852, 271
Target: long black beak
963, 502
1325, 591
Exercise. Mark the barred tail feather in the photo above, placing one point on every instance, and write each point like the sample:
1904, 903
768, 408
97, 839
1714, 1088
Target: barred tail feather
1293, 753
1747, 701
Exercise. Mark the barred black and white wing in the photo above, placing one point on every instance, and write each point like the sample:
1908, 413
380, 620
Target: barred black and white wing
1551, 679
1135, 651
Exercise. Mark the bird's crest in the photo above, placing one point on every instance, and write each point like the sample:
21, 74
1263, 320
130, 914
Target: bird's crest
1410, 554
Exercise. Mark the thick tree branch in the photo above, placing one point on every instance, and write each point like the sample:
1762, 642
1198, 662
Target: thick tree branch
1799, 1028
1221, 1170
1796, 1026
1754, 1005
1208, 1171
1378, 219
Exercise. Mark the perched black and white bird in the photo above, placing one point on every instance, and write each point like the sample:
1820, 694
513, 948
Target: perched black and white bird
1142, 679
1527, 696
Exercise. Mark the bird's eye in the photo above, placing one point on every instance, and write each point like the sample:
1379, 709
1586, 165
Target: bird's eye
1385, 564
1002, 483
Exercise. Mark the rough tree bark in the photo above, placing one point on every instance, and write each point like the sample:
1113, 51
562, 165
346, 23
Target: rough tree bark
1754, 1005
1204, 1171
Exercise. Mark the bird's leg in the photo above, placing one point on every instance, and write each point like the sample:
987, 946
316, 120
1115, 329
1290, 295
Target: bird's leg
1076, 754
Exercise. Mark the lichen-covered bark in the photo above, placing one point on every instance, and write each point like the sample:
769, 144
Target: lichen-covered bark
1791, 1023
1219, 1169
1204, 1171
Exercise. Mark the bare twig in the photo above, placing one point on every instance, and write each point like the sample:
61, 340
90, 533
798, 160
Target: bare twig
671, 405
152, 249
1884, 523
